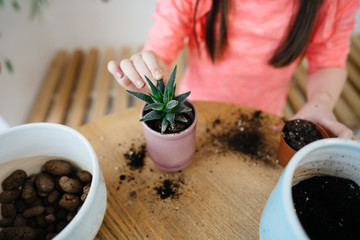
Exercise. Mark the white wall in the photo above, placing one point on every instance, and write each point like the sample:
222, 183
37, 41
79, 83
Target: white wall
64, 24
68, 24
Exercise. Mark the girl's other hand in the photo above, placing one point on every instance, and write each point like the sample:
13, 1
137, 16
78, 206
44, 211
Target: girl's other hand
130, 72
320, 113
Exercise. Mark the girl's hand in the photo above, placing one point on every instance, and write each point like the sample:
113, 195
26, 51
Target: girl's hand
131, 72
320, 113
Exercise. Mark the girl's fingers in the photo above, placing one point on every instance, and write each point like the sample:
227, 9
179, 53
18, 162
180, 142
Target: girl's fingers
142, 68
114, 69
338, 129
131, 73
153, 64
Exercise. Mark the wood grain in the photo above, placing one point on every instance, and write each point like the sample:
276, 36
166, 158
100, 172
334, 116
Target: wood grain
221, 194
79, 106
60, 105
103, 88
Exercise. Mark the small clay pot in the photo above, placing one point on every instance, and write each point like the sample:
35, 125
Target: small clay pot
286, 152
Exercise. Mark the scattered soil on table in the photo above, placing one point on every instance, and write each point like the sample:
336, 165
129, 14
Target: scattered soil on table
298, 133
135, 157
169, 188
244, 135
328, 207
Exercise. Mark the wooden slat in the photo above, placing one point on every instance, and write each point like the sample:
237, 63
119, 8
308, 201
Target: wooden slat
103, 88
300, 76
287, 111
44, 97
355, 42
352, 97
61, 103
121, 98
353, 74
78, 109
345, 114
295, 97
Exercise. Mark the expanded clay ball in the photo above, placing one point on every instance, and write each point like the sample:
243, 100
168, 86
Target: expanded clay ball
15, 180
58, 167
39, 206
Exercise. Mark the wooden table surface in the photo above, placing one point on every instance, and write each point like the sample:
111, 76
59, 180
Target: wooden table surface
220, 195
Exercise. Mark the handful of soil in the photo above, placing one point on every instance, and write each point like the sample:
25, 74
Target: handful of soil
298, 133
39, 206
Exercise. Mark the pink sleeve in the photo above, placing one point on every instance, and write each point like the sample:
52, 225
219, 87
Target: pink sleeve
172, 26
330, 43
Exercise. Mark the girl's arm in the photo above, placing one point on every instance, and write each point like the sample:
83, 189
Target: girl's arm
323, 89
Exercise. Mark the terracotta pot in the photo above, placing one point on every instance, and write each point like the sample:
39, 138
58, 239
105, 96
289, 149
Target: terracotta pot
171, 152
285, 152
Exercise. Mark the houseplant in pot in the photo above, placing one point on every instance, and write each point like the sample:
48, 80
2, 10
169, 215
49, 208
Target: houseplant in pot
169, 124
296, 134
283, 218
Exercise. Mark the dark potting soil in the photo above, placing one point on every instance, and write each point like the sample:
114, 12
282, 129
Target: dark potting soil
169, 189
298, 133
244, 136
135, 157
172, 128
328, 207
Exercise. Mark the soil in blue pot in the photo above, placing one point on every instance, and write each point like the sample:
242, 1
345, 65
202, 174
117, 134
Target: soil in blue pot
328, 207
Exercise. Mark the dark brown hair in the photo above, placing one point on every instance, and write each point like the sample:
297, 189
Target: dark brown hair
295, 44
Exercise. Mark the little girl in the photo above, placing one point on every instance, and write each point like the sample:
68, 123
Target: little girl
245, 52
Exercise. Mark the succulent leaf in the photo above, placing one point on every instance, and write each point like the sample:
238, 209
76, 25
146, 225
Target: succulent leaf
170, 117
160, 85
166, 96
181, 118
183, 110
155, 91
154, 106
164, 125
172, 104
141, 96
170, 84
153, 115
182, 97
155, 99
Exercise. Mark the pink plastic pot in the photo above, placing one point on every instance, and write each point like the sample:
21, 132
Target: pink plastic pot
171, 152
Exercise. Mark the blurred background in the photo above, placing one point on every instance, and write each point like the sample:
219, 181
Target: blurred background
32, 31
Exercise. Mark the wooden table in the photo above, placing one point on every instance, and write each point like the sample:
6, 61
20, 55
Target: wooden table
220, 195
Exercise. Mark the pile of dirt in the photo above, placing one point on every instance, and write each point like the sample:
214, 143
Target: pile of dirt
244, 135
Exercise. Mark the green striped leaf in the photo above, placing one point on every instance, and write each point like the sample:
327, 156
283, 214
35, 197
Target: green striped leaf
181, 98
153, 115
155, 91
164, 125
172, 104
170, 117
154, 106
141, 96
170, 84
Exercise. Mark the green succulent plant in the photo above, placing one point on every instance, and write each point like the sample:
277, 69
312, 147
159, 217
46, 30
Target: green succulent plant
162, 103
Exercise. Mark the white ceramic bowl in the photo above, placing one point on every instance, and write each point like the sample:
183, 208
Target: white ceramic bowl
332, 156
29, 146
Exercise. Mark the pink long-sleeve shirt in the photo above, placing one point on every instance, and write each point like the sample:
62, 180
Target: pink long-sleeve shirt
255, 30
